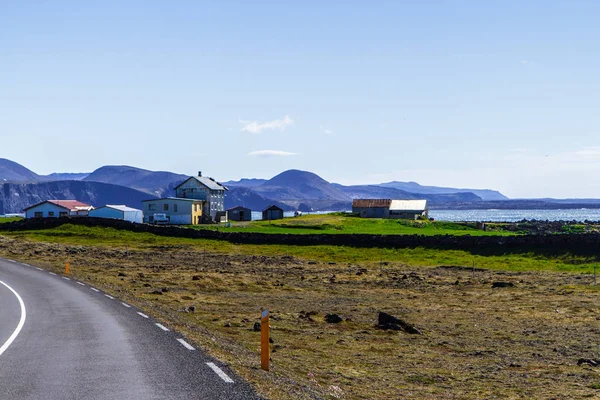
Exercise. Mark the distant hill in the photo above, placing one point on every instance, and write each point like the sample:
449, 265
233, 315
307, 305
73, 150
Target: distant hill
66, 176
248, 183
14, 197
381, 192
10, 171
291, 190
156, 183
240, 196
414, 187
300, 185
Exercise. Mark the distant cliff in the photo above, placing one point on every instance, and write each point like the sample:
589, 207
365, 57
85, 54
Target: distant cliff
14, 197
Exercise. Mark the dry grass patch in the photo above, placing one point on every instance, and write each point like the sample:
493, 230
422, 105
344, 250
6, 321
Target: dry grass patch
477, 342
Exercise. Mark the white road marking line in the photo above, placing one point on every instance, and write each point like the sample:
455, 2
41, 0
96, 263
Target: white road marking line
164, 328
12, 261
126, 305
220, 372
52, 273
186, 344
143, 315
64, 277
27, 265
21, 321
94, 289
38, 268
82, 284
109, 296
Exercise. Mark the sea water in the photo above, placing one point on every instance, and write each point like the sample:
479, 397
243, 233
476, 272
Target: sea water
494, 215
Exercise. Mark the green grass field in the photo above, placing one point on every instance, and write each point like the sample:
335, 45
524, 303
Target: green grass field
340, 223
4, 220
97, 236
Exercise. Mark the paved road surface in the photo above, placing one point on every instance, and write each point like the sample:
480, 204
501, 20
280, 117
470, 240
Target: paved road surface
60, 339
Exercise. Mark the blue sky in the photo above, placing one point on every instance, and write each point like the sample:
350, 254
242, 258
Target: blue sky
485, 94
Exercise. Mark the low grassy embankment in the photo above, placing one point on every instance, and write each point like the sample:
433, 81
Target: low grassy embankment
4, 220
476, 342
342, 223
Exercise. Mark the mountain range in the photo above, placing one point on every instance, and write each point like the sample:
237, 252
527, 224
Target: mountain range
290, 190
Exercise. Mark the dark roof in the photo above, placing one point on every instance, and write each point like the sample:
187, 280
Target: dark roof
371, 203
208, 182
273, 207
238, 208
66, 204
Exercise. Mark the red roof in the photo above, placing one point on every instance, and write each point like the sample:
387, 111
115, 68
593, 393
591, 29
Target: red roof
371, 203
71, 205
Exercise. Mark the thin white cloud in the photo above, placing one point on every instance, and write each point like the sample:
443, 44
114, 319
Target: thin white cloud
326, 130
258, 127
271, 153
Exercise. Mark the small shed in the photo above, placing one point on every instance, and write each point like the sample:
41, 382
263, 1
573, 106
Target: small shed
272, 212
118, 212
239, 213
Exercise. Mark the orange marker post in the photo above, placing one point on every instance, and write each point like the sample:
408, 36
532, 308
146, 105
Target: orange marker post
264, 340
67, 265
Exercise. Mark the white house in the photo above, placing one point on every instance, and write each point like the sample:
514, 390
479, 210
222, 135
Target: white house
57, 208
118, 212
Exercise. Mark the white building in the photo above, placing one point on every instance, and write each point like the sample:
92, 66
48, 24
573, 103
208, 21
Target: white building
118, 212
57, 208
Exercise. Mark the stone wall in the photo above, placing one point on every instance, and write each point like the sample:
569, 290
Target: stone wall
579, 244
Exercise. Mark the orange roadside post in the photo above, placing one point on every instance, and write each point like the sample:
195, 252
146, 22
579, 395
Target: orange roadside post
264, 340
67, 265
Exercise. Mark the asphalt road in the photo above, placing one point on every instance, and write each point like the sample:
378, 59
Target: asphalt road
60, 339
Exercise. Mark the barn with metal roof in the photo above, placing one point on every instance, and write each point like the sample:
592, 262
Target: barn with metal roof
387, 208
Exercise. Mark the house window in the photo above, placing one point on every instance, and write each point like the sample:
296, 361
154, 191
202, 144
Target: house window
38, 214
51, 213
174, 207
166, 207
151, 207
195, 207
63, 214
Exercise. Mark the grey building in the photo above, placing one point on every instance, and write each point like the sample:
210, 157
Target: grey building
206, 189
272, 212
239, 213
